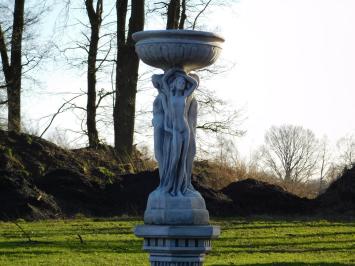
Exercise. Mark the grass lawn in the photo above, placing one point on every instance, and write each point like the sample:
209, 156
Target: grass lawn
243, 242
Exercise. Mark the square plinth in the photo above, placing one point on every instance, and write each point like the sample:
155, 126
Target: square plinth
177, 245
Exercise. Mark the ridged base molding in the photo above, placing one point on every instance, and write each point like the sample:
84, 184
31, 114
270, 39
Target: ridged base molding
177, 245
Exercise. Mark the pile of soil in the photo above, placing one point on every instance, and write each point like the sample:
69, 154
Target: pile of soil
40, 180
217, 203
340, 196
256, 197
21, 199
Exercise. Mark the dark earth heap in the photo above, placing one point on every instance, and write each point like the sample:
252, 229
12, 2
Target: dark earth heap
39, 180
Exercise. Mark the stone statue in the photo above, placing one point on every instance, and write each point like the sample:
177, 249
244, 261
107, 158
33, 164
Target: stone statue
174, 121
176, 228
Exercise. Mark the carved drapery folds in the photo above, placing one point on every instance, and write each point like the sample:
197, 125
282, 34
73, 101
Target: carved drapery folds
174, 121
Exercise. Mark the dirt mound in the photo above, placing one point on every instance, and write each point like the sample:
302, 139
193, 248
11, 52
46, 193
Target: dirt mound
217, 203
256, 197
40, 180
32, 155
73, 192
132, 192
20, 199
83, 181
340, 196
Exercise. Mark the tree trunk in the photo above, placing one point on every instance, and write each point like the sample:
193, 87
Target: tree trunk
173, 14
91, 98
5, 62
95, 22
183, 15
288, 176
14, 87
126, 77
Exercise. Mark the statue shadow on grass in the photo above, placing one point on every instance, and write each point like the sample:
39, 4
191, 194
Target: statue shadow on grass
289, 264
21, 248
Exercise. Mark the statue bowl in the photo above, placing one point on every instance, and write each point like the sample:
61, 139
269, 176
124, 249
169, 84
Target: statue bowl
185, 49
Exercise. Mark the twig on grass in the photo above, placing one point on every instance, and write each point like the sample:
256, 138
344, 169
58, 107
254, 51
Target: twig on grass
27, 235
80, 238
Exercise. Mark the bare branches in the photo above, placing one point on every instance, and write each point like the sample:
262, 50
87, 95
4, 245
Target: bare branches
20, 52
346, 146
64, 107
158, 6
291, 152
200, 13
4, 86
95, 15
225, 125
4, 56
102, 95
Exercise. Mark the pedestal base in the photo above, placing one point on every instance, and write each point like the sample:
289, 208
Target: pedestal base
189, 209
170, 245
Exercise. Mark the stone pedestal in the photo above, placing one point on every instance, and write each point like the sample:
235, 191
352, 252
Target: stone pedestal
172, 245
176, 230
163, 209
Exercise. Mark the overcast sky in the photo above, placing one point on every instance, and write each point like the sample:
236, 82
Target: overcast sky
294, 63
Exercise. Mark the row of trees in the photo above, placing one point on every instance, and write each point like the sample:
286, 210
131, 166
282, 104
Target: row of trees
294, 154
291, 157
102, 45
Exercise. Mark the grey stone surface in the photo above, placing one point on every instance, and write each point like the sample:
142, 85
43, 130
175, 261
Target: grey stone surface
163, 208
176, 201
179, 231
176, 231
186, 49
177, 245
174, 121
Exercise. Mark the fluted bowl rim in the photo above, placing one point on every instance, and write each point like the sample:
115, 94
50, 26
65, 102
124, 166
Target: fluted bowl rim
191, 35
172, 39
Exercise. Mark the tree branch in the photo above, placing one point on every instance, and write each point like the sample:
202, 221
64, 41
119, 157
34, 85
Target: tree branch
59, 111
200, 13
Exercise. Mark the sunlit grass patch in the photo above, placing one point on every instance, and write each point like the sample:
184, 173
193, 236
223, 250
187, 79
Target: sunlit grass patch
243, 242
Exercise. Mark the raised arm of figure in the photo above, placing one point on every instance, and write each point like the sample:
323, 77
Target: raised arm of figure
196, 77
193, 84
157, 81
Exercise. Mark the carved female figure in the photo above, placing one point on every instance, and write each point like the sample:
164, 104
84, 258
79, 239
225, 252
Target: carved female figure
174, 138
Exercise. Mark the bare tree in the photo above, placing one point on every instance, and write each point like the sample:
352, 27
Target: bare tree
126, 75
89, 50
178, 12
181, 14
346, 148
20, 51
290, 152
12, 67
95, 18
325, 162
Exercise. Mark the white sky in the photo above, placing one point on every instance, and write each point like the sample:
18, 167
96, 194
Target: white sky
295, 63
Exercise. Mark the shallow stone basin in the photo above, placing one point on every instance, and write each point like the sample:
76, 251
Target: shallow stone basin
186, 49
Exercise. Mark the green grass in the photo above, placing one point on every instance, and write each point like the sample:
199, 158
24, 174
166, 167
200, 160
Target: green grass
243, 242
